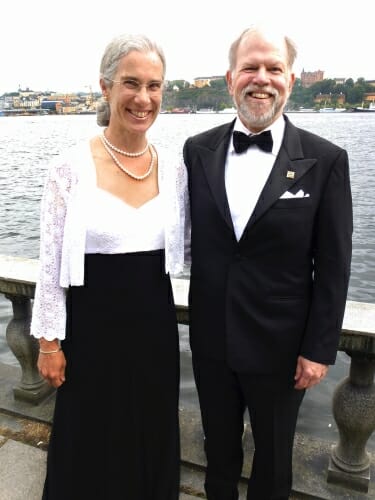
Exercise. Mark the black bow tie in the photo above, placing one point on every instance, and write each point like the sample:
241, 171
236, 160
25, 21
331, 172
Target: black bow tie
242, 141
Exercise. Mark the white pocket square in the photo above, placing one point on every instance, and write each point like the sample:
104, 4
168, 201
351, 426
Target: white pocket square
299, 194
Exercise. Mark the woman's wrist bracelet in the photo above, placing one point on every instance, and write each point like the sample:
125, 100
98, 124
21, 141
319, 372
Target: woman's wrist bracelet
49, 352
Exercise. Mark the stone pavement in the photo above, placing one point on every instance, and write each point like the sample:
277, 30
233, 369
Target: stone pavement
24, 432
23, 456
22, 469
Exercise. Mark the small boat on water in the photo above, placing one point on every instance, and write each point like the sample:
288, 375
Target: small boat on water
23, 112
301, 110
332, 110
229, 111
87, 112
176, 111
206, 110
361, 109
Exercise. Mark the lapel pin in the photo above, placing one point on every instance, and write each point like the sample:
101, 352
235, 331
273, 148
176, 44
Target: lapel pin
290, 174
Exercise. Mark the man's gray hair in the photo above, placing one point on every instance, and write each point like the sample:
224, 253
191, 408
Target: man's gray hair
290, 46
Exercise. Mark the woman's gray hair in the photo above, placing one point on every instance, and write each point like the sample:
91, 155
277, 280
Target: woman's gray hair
290, 47
119, 47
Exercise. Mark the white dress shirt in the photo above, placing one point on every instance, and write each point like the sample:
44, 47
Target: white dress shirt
247, 173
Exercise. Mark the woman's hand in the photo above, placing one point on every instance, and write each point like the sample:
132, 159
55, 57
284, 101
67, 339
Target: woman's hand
51, 362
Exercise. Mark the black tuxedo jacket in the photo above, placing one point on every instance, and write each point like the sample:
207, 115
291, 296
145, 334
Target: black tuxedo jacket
281, 290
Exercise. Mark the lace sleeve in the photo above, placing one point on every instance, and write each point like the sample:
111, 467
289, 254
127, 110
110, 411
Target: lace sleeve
178, 225
49, 314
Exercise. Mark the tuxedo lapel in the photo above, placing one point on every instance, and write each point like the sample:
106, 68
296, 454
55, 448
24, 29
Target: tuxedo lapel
290, 165
213, 157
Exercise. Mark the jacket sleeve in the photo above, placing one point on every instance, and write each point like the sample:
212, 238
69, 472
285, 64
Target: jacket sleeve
332, 252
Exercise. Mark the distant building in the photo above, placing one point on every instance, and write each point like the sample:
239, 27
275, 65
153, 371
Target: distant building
329, 99
369, 97
205, 81
308, 78
52, 106
65, 98
340, 81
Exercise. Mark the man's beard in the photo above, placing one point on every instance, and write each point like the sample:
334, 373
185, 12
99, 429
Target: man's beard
258, 119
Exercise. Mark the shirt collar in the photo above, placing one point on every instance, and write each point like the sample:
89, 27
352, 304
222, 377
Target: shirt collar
277, 129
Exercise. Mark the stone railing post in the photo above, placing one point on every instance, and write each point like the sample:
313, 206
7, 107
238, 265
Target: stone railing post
354, 413
32, 388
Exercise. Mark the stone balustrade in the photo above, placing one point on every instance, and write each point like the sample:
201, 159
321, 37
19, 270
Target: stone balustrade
353, 402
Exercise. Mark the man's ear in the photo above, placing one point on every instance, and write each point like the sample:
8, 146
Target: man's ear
228, 77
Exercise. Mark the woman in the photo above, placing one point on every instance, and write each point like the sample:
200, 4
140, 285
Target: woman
112, 232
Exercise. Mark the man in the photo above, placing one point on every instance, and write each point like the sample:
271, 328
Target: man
271, 250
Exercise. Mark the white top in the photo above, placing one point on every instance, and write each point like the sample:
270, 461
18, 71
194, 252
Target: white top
247, 173
113, 226
65, 216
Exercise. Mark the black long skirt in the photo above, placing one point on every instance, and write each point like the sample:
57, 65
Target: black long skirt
115, 432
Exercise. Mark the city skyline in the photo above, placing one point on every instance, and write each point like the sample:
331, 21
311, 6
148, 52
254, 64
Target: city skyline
58, 47
89, 90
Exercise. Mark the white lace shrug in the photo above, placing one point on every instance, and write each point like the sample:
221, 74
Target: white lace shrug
63, 231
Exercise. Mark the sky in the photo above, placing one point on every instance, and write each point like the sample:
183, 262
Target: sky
57, 46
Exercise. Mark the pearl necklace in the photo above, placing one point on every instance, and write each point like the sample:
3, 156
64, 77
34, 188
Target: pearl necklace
125, 153
124, 169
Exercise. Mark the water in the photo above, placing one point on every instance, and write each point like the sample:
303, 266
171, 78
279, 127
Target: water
28, 143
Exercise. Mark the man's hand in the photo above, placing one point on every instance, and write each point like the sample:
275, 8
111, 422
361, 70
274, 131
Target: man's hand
309, 373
